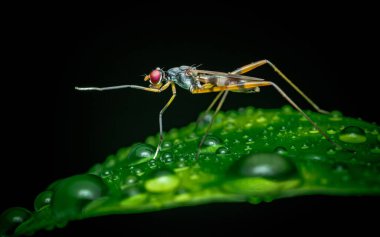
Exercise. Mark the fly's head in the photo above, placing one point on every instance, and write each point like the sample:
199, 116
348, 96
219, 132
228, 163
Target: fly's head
156, 78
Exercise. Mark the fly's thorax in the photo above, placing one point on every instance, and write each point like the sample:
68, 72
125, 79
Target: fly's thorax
182, 77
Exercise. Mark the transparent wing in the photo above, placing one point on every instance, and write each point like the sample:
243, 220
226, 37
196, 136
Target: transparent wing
209, 74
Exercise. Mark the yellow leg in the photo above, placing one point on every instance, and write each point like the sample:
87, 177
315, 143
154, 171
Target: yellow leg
246, 86
237, 71
257, 64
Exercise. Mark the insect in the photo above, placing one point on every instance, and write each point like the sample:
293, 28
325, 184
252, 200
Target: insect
203, 81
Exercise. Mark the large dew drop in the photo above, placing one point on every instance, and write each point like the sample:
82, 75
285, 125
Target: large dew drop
42, 200
71, 195
140, 153
262, 175
269, 166
11, 218
352, 134
162, 181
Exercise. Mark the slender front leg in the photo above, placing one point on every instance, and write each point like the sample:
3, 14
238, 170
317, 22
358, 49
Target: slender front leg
160, 119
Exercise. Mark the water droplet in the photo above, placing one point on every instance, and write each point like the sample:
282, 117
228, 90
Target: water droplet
331, 151
222, 151
134, 196
106, 174
352, 134
335, 116
270, 128
269, 166
74, 193
247, 148
133, 190
248, 125
304, 146
376, 149
261, 119
140, 153
129, 180
166, 145
287, 109
42, 200
211, 141
339, 167
191, 137
302, 118
249, 140
167, 157
152, 164
313, 131
331, 131
162, 181
280, 150
138, 171
11, 218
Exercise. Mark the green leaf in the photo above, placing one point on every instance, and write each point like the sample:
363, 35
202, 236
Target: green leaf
251, 155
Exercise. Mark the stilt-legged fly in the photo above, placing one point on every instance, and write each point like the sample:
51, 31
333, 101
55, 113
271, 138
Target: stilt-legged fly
204, 81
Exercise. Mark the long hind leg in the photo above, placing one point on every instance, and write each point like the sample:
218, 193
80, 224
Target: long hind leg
257, 64
250, 85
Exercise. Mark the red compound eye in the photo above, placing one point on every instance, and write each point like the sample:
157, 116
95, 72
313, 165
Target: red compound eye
155, 76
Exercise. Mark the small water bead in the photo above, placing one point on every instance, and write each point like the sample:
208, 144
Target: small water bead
376, 149
270, 128
191, 137
340, 167
11, 218
140, 153
280, 150
222, 151
74, 193
167, 158
42, 200
302, 118
352, 134
331, 151
335, 116
313, 131
152, 164
162, 181
167, 145
211, 141
248, 125
139, 172
106, 174
248, 148
130, 180
287, 109
261, 119
304, 146
331, 131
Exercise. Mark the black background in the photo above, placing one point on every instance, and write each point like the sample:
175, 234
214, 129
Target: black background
51, 131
